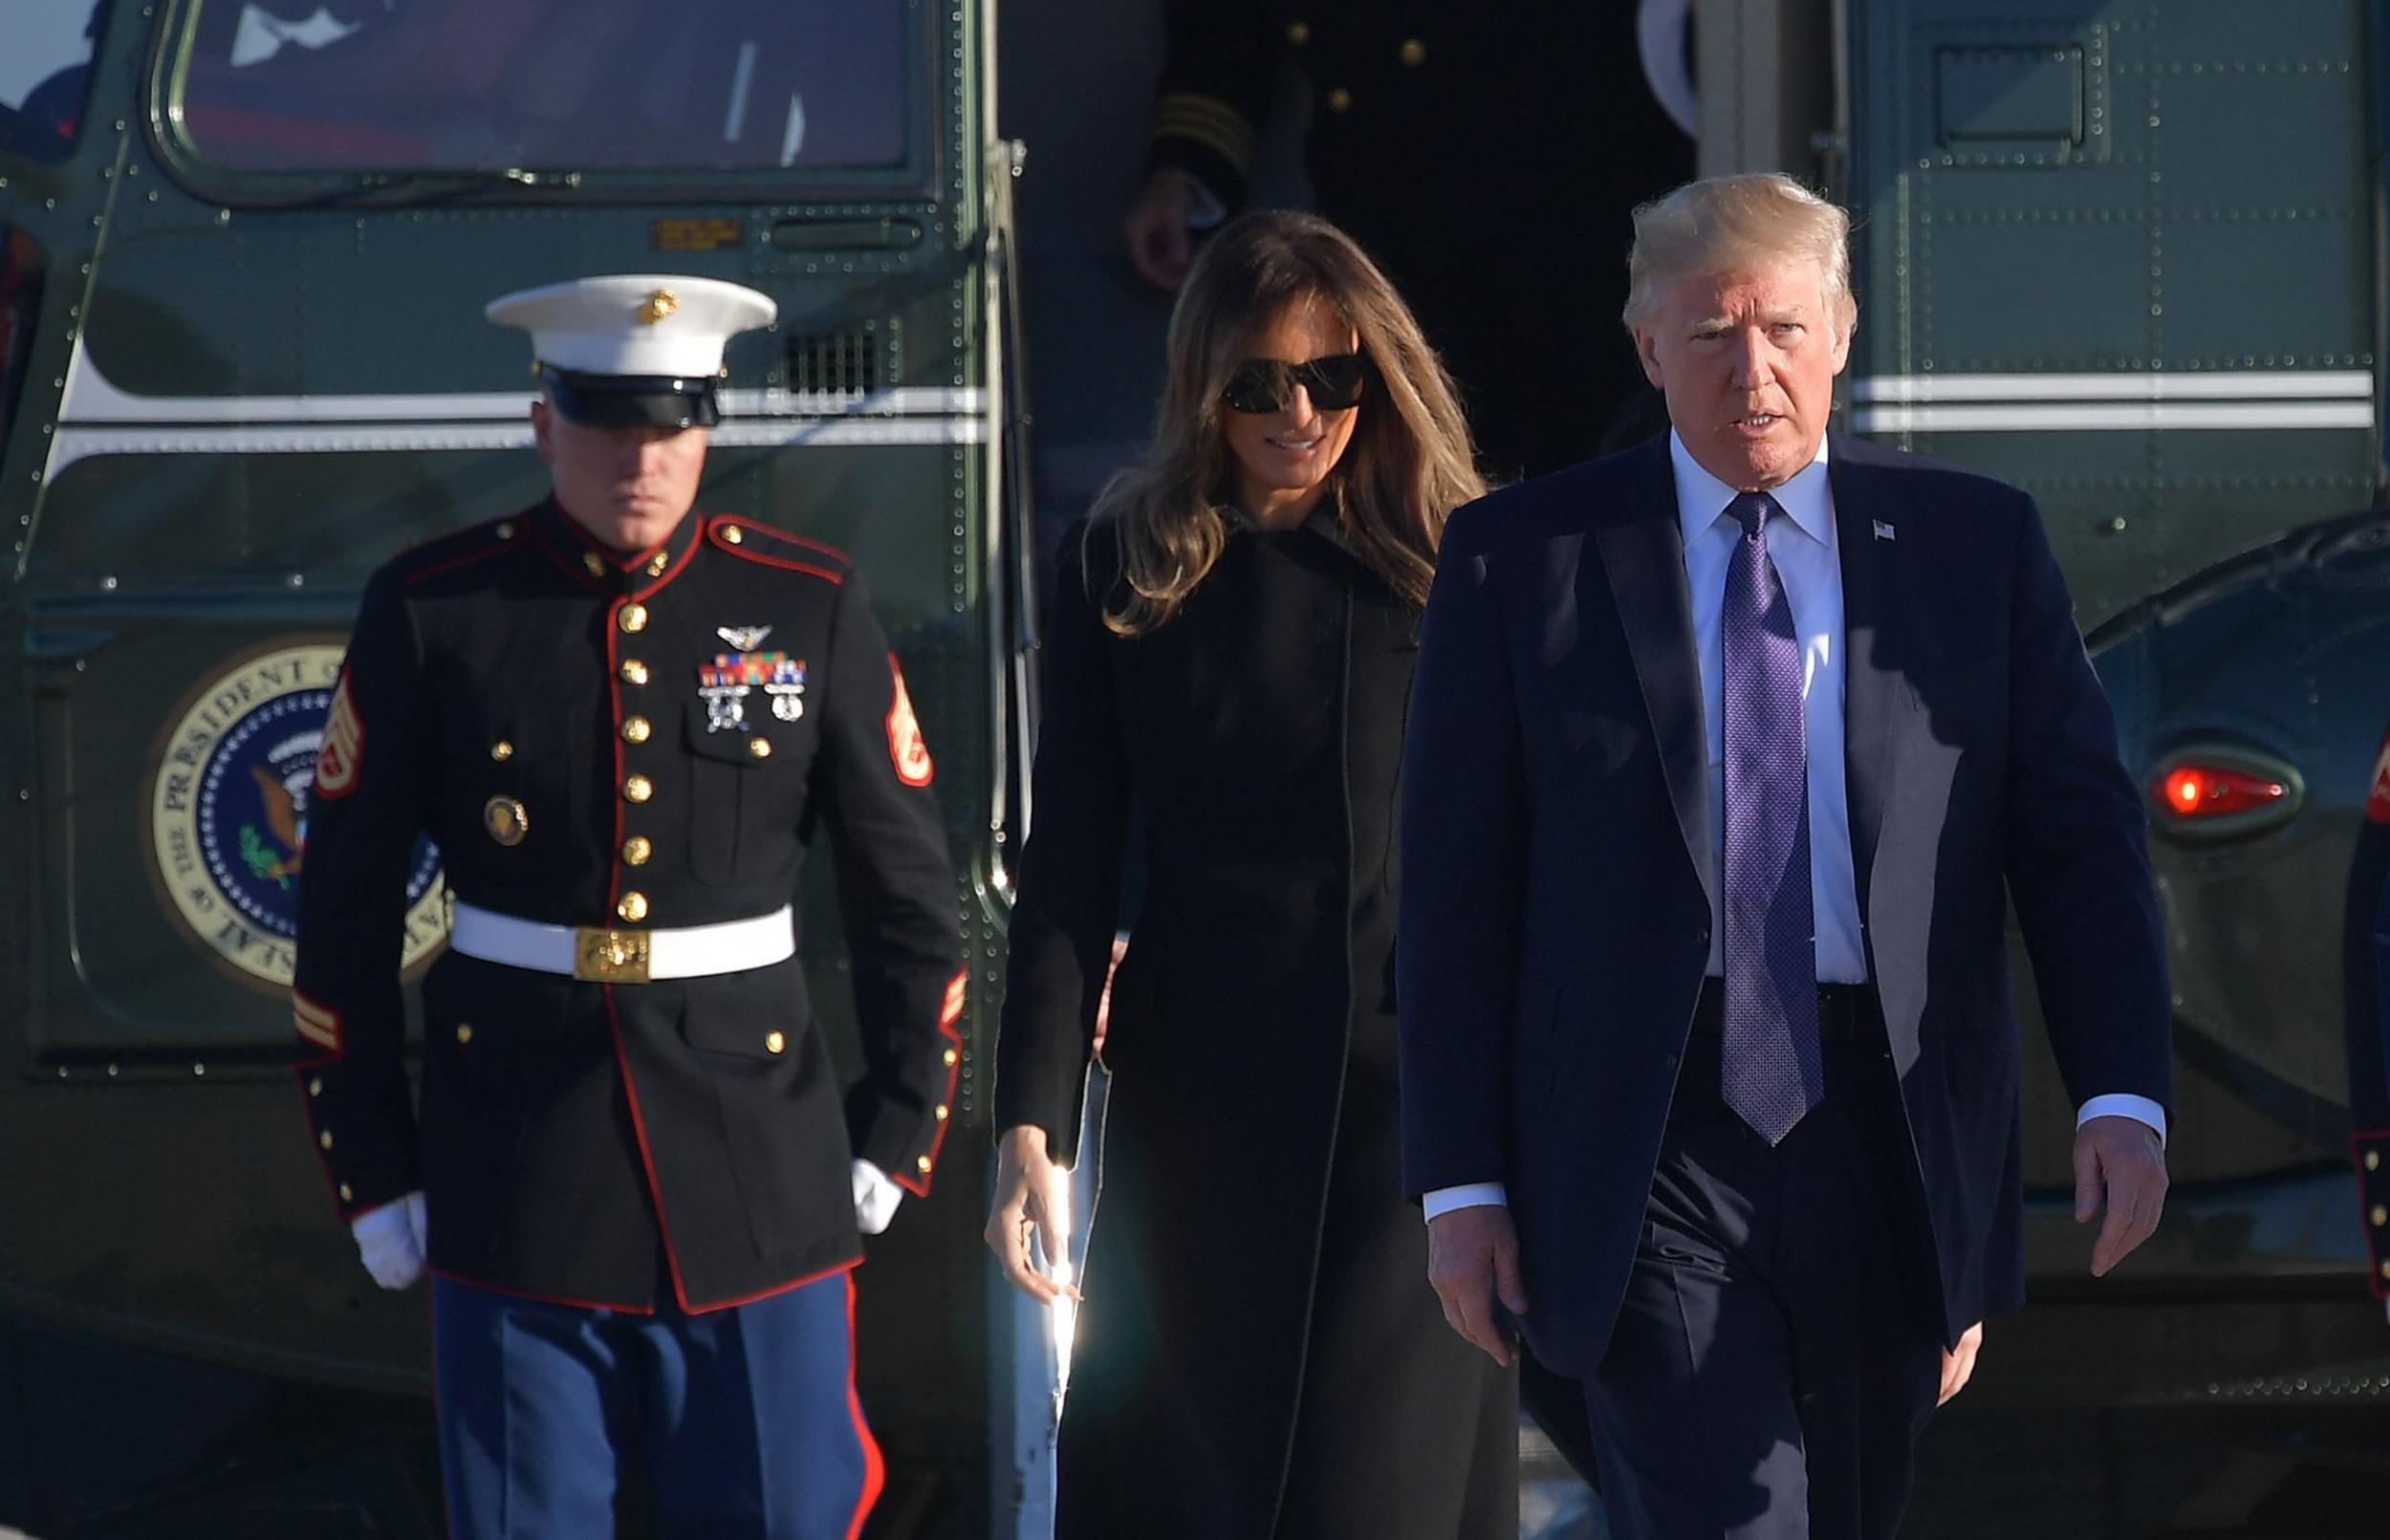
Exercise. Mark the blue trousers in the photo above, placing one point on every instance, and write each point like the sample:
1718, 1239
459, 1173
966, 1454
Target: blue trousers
746, 1418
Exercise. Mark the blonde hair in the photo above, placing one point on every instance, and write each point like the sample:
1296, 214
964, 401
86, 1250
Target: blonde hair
1722, 222
1409, 464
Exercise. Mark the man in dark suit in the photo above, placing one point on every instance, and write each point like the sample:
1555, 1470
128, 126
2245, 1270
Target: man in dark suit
1725, 756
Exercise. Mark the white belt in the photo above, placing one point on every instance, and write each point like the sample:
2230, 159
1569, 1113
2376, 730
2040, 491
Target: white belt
623, 956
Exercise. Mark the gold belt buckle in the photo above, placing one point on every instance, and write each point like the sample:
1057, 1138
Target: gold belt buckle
610, 956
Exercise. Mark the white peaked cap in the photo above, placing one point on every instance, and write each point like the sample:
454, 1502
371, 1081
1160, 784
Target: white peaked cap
634, 323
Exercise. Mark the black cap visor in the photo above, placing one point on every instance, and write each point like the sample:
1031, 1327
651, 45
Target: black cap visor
633, 401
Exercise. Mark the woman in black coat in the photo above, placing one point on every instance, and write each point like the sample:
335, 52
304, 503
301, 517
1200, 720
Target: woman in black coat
1228, 660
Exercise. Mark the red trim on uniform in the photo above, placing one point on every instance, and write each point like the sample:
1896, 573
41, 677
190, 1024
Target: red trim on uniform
548, 547
777, 1290
468, 558
536, 1298
646, 1156
621, 807
798, 539
489, 1287
2378, 800
344, 751
906, 750
958, 993
875, 1470
674, 568
730, 521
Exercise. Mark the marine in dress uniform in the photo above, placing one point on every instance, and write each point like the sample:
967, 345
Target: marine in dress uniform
633, 1173
2366, 941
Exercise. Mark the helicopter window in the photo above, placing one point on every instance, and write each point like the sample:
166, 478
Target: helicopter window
45, 73
460, 85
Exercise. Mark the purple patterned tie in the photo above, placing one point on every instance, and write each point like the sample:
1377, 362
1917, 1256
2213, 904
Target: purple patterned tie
1772, 1073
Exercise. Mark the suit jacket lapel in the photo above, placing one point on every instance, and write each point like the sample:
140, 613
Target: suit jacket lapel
1874, 639
1642, 555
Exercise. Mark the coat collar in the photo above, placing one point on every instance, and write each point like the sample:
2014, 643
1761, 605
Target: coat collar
1867, 516
1642, 555
1642, 543
602, 570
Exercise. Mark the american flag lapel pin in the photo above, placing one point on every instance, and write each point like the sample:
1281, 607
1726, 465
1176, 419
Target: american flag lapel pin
1884, 530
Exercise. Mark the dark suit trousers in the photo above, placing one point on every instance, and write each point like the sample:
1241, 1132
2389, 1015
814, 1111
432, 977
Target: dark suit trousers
1776, 1353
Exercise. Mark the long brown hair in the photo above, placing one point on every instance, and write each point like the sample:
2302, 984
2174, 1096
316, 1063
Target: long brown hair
1410, 463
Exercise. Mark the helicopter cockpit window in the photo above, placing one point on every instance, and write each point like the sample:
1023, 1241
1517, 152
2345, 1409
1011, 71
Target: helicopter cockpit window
587, 85
45, 75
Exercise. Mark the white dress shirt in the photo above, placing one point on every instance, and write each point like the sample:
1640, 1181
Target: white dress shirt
1802, 545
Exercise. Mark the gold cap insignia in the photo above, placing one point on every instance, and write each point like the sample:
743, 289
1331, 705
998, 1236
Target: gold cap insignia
656, 306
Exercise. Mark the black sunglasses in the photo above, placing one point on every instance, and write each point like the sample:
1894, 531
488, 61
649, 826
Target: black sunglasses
1333, 382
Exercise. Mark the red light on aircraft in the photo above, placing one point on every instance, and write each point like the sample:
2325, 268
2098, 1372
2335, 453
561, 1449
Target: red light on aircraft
2214, 791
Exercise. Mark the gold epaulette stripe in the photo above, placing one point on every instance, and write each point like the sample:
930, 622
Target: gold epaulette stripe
319, 1024
1211, 123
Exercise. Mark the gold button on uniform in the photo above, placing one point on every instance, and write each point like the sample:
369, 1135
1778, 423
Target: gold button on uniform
2373, 1159
2380, 1216
463, 1032
759, 748
952, 1056
346, 1196
633, 907
1298, 33
657, 564
1414, 51
316, 1086
2385, 1269
634, 672
636, 850
733, 535
773, 1043
504, 532
1340, 100
635, 729
633, 618
922, 1165
638, 789
501, 751
590, 562
324, 1138
942, 1112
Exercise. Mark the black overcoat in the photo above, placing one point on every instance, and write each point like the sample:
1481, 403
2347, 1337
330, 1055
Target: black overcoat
1257, 1320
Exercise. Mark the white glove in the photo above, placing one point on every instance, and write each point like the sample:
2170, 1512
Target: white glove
875, 1198
390, 1241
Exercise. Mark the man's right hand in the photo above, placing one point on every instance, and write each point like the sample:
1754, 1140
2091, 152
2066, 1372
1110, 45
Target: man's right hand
390, 1241
1032, 1197
1472, 1260
1162, 245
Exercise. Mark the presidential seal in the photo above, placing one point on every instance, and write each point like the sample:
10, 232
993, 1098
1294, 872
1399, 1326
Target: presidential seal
227, 809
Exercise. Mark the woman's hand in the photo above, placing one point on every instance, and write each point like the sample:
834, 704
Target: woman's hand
1032, 1195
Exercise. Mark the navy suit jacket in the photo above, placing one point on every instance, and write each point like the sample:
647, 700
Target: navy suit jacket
1558, 845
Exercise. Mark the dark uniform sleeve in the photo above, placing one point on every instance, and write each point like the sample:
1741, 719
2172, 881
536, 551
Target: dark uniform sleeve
895, 888
2366, 939
373, 780
1067, 909
1219, 68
